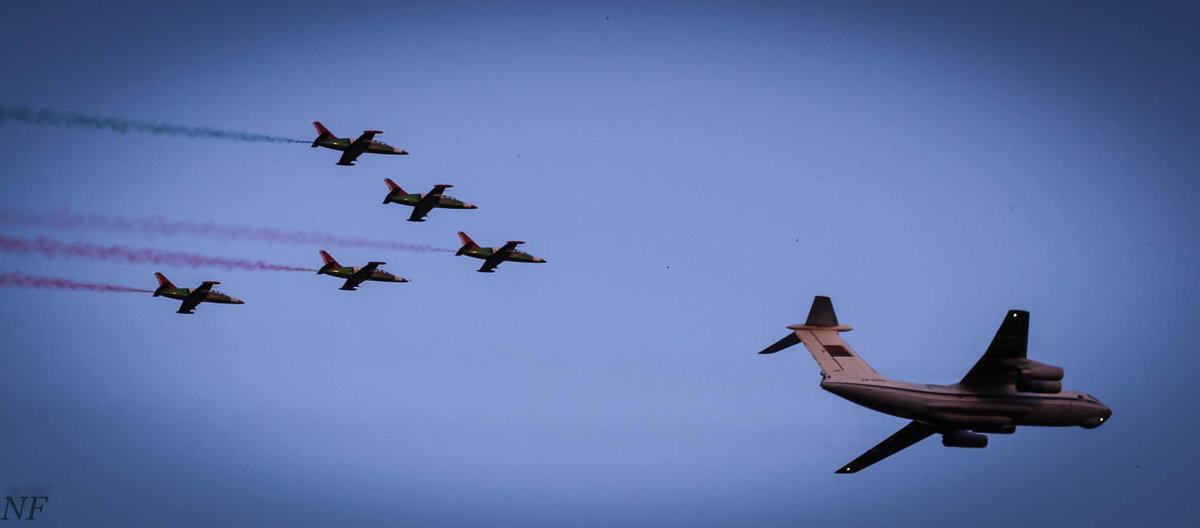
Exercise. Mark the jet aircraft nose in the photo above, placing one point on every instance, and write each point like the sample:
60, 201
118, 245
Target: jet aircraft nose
539, 259
469, 206
238, 301
402, 152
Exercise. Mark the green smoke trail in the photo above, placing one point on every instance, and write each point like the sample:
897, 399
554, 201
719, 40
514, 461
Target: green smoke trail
21, 114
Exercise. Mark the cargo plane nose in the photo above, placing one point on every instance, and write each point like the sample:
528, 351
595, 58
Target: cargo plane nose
1098, 419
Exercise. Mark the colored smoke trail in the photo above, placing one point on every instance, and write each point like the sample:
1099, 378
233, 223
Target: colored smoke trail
53, 248
49, 117
13, 279
157, 225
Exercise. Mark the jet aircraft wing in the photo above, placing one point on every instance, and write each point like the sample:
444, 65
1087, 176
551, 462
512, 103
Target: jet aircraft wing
491, 263
500, 255
349, 155
189, 303
419, 211
353, 282
361, 275
912, 433
357, 147
1010, 343
427, 203
195, 297
508, 247
366, 137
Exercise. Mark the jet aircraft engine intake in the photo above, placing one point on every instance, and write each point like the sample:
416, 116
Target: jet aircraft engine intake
1039, 386
964, 439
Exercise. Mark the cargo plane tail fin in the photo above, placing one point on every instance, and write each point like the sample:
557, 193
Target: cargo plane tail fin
819, 333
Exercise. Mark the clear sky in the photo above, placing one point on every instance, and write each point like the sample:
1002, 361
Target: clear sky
693, 172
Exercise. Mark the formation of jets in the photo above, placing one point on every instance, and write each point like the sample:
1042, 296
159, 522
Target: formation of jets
1002, 391
422, 205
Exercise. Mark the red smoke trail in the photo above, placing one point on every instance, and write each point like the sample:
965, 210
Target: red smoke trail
13, 279
53, 248
157, 225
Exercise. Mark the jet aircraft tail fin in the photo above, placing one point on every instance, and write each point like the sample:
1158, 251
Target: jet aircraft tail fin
163, 284
468, 244
330, 262
819, 333
393, 190
323, 134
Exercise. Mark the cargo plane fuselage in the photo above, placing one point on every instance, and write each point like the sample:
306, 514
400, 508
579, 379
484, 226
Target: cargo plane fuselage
1002, 391
954, 405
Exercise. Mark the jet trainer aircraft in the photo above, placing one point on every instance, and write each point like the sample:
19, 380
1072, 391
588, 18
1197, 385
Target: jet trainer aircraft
192, 296
423, 203
492, 257
1002, 391
351, 149
355, 276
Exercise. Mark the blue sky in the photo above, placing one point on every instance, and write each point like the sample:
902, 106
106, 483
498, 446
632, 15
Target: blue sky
693, 173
